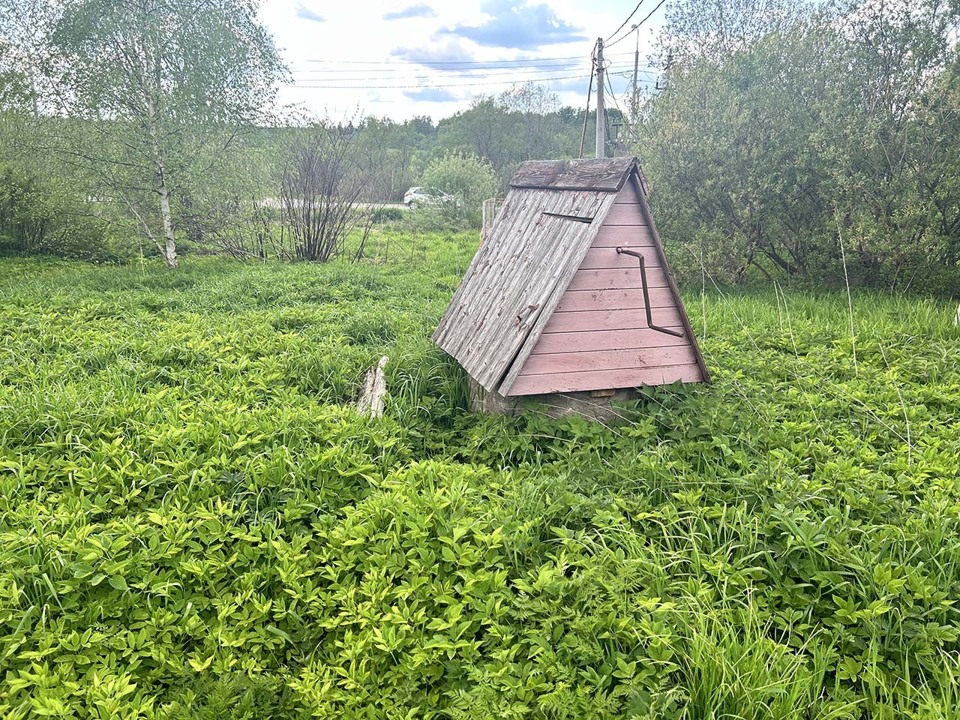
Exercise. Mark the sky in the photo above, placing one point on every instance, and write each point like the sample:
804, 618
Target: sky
406, 58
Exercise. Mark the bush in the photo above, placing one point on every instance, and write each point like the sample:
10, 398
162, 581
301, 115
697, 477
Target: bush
42, 217
382, 216
470, 179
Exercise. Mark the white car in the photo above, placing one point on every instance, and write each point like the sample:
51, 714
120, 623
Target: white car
424, 196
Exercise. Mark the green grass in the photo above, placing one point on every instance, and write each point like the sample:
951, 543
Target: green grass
194, 523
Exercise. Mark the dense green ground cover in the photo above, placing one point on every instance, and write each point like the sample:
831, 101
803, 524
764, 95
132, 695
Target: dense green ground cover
195, 524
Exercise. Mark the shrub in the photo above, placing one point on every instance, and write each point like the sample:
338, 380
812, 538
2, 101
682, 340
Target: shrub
470, 179
43, 217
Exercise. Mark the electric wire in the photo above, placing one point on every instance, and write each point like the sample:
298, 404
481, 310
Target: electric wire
638, 25
629, 18
404, 80
431, 86
586, 112
431, 63
453, 71
623, 115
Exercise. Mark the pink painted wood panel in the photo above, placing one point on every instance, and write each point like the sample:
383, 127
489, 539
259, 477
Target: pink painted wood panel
606, 340
619, 299
588, 321
624, 236
605, 379
612, 279
625, 214
608, 360
602, 258
598, 336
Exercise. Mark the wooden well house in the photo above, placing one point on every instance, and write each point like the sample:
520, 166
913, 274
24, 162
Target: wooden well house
569, 301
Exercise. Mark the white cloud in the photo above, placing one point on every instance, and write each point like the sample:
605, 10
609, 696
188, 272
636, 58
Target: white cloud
356, 59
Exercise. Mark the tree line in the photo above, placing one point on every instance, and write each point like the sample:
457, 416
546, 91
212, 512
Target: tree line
812, 142
136, 126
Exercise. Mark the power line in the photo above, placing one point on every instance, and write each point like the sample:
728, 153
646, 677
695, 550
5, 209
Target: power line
464, 71
409, 72
528, 75
431, 86
629, 18
545, 68
586, 112
623, 115
649, 15
443, 63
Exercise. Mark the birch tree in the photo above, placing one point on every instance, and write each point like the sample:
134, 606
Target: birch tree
161, 88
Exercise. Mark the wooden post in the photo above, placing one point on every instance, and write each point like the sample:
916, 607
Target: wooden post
636, 70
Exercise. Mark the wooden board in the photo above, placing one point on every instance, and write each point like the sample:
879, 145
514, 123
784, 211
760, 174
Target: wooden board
602, 258
619, 298
625, 214
605, 379
546, 364
606, 340
632, 237
613, 279
603, 174
593, 321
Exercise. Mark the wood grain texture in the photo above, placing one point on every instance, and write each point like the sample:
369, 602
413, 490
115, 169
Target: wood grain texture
613, 279
616, 299
607, 258
604, 379
592, 320
554, 363
603, 174
517, 275
606, 340
633, 237
625, 214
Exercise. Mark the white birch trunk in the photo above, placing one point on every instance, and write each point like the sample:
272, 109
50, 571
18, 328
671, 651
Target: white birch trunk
169, 247
169, 241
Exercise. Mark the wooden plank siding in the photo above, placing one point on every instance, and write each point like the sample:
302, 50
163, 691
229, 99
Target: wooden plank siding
598, 338
597, 320
624, 298
604, 175
548, 305
498, 305
618, 279
606, 340
605, 379
564, 362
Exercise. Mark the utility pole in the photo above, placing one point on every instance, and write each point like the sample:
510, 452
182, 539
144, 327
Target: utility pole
636, 69
601, 111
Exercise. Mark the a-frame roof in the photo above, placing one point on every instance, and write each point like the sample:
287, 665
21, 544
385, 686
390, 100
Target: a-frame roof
549, 220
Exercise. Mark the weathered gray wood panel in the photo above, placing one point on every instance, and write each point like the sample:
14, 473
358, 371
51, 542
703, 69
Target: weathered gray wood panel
603, 174
518, 275
596, 332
